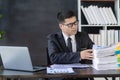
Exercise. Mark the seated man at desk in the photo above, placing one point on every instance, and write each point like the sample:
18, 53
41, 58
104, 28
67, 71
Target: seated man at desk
69, 45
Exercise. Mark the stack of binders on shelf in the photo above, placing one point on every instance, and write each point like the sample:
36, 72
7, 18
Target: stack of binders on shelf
99, 15
112, 36
105, 57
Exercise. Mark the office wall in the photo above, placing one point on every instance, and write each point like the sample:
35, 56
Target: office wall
28, 22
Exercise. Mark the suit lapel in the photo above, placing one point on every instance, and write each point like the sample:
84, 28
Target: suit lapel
62, 42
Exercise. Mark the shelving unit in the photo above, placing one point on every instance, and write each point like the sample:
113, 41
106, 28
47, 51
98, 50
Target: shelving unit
96, 28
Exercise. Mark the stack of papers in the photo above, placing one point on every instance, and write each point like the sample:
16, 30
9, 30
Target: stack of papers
104, 57
65, 68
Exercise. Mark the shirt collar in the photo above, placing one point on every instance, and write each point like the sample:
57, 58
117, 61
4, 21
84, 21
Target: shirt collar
66, 37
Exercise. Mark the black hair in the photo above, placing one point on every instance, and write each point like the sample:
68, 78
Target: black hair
61, 16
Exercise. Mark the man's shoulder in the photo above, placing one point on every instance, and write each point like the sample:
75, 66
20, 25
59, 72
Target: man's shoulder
81, 33
54, 35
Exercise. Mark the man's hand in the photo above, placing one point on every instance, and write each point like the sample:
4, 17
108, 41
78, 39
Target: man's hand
86, 54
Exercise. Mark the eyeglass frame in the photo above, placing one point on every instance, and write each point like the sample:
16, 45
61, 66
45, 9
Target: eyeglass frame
70, 25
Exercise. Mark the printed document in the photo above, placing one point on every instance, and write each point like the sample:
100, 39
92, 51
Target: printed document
51, 70
75, 65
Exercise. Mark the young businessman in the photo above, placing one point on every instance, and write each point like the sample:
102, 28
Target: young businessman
58, 44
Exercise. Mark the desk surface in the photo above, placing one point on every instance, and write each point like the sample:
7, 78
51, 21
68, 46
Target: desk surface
79, 73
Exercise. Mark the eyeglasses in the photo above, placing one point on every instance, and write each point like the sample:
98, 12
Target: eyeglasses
70, 25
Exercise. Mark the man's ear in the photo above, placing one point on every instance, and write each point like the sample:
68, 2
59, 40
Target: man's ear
60, 25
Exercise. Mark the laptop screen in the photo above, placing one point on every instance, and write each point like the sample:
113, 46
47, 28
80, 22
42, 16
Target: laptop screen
15, 57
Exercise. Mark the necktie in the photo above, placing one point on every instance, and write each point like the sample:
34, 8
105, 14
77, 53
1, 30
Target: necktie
69, 44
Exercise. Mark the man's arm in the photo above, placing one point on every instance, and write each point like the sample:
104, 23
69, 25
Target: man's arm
58, 53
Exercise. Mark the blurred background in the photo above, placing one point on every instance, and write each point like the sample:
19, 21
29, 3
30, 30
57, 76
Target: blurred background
28, 22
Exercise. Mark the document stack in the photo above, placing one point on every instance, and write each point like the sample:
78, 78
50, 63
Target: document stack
65, 68
117, 52
105, 57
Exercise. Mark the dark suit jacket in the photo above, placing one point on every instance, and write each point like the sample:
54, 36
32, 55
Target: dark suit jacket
59, 53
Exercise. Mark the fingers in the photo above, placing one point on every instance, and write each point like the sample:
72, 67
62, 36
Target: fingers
87, 54
89, 57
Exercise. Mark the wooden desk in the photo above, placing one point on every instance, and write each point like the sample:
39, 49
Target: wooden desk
79, 73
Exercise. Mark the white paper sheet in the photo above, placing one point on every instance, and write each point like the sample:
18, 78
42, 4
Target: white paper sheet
75, 65
59, 70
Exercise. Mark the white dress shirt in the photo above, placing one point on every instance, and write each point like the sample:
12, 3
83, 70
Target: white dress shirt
73, 41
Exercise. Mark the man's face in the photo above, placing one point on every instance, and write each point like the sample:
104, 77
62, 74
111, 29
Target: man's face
70, 26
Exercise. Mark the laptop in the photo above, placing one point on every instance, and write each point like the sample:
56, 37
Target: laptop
17, 58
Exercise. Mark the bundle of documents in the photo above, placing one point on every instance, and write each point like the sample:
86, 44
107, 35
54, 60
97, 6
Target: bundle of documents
117, 52
105, 57
65, 68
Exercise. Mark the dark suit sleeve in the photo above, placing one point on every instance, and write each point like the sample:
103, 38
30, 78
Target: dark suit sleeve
58, 53
84, 42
